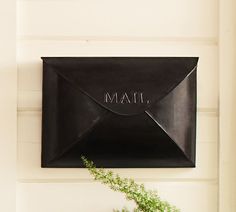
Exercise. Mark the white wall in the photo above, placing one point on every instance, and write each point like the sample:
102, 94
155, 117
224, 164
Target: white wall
8, 105
227, 62
115, 28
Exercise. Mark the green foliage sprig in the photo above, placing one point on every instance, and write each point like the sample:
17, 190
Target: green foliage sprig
146, 200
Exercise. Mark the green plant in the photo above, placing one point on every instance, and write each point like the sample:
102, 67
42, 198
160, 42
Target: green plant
146, 200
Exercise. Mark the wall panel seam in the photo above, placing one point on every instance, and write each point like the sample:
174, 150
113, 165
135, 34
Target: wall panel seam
145, 180
194, 40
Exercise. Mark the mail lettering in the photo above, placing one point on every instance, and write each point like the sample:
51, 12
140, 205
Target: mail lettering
125, 98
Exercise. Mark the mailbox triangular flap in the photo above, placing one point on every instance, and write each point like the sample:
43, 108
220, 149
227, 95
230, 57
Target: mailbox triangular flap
63, 126
176, 115
124, 85
108, 147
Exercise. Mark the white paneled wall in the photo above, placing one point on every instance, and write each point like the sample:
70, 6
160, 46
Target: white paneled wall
8, 105
111, 18
83, 197
227, 43
115, 28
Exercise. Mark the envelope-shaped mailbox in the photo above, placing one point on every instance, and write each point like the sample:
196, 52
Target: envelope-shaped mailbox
119, 111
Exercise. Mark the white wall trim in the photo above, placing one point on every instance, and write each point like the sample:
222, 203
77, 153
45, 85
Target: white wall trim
8, 105
227, 64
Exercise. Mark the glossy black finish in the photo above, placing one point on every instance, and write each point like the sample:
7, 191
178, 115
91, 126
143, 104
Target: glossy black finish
120, 112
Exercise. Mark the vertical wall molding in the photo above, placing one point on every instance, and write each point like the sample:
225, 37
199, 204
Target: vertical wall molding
8, 105
227, 64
